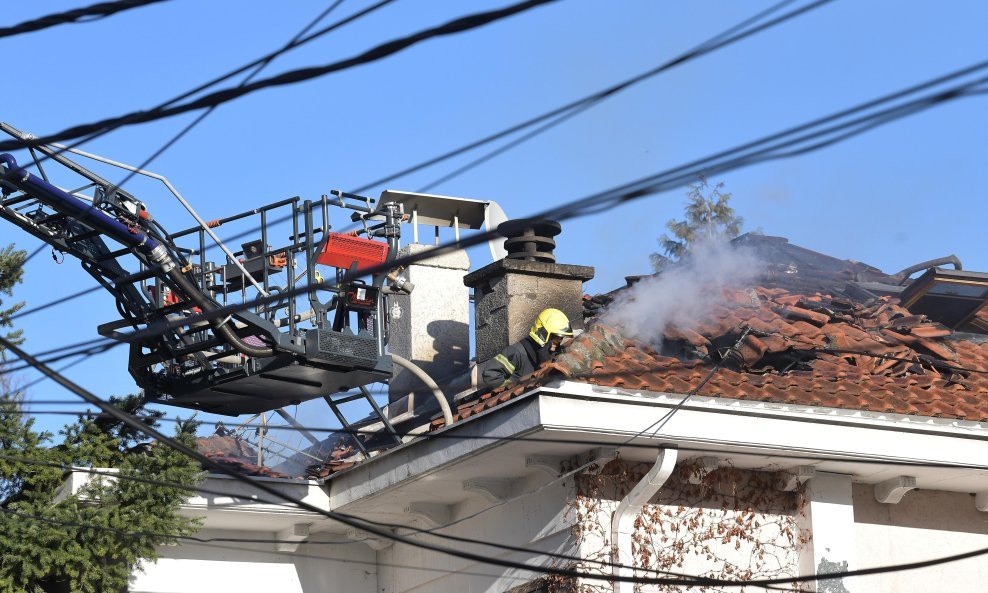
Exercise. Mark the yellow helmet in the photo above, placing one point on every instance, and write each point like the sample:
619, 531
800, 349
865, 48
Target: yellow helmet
550, 322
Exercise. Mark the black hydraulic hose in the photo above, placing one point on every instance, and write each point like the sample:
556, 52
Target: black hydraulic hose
222, 328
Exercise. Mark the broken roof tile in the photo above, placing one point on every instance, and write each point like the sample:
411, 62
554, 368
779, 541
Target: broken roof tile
799, 313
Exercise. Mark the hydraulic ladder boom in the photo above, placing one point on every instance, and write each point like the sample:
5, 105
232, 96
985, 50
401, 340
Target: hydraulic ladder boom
198, 341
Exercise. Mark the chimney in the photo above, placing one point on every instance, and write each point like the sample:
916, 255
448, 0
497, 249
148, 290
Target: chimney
510, 293
430, 326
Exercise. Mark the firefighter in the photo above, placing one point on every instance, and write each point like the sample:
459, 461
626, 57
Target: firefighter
524, 356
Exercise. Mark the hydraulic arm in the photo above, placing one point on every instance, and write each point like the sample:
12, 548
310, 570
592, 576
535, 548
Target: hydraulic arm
197, 338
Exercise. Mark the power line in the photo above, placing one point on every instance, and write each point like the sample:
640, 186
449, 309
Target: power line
563, 113
34, 253
212, 542
744, 155
216, 543
260, 63
545, 440
292, 77
98, 347
698, 165
344, 518
218, 493
741, 156
370, 527
556, 116
662, 421
94, 11
124, 476
260, 67
265, 58
574, 108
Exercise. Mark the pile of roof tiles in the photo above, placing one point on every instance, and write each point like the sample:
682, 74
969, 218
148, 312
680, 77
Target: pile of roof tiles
804, 350
340, 457
236, 454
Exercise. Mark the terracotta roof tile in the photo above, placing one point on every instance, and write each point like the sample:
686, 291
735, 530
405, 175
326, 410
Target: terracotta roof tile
802, 349
785, 358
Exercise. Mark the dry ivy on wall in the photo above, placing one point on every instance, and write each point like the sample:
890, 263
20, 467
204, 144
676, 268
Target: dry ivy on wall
725, 523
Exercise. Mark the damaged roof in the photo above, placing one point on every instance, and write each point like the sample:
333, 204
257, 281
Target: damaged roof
813, 337
803, 334
807, 350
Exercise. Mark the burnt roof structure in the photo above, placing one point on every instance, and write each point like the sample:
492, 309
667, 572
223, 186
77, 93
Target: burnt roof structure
804, 333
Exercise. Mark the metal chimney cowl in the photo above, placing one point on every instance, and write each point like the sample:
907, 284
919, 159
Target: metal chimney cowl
431, 326
510, 293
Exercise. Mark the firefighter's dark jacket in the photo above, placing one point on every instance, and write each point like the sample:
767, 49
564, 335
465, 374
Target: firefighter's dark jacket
514, 362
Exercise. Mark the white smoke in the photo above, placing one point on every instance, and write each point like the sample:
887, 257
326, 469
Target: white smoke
683, 293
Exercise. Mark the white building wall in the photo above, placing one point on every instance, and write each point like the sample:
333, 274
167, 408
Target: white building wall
923, 525
338, 566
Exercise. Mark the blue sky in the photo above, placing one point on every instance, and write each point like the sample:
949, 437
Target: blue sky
911, 191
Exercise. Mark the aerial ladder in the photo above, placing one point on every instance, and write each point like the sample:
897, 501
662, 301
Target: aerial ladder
248, 332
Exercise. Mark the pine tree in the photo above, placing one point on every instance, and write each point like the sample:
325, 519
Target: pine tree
11, 271
92, 541
709, 217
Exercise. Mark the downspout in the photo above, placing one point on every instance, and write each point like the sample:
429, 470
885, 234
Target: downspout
623, 519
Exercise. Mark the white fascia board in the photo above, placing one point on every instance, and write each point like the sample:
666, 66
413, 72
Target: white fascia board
891, 421
764, 428
246, 502
81, 477
887, 421
238, 501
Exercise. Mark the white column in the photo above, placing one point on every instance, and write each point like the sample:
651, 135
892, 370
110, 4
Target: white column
830, 518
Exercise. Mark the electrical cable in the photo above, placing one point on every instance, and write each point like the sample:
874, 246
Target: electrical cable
590, 204
565, 113
40, 248
343, 518
214, 543
265, 58
97, 11
899, 94
562, 114
714, 43
544, 440
50, 304
374, 530
86, 352
260, 67
218, 493
379, 52
661, 422
115, 475
978, 91
639, 188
